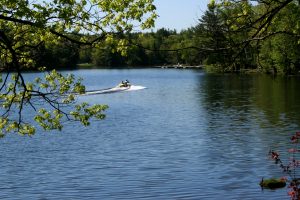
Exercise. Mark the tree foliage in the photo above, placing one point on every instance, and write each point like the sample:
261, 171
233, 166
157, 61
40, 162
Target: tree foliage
262, 34
231, 36
31, 30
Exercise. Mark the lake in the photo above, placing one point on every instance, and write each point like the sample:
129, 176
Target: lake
189, 135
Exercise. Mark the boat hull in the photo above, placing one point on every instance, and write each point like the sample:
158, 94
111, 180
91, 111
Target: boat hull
115, 89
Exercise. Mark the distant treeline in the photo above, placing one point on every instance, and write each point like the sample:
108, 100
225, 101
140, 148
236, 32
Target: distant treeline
144, 49
163, 47
225, 39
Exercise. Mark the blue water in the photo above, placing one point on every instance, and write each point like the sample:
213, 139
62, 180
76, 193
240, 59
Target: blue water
189, 135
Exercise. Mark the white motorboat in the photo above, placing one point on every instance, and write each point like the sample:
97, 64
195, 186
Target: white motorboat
118, 88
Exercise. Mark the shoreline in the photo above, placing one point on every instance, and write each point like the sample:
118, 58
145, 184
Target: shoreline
91, 66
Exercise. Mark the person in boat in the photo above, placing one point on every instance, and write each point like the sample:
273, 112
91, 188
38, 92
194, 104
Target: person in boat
124, 84
127, 83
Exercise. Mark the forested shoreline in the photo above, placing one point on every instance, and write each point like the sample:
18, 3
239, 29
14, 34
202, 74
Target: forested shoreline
160, 48
229, 37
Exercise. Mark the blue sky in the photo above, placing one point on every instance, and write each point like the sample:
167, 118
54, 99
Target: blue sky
179, 14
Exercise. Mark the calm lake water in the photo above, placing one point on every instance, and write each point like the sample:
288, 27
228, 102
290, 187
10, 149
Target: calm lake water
189, 135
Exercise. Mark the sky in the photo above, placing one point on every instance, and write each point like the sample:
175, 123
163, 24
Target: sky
179, 14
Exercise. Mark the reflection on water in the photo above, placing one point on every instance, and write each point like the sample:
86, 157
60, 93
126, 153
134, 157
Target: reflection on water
190, 135
246, 115
276, 99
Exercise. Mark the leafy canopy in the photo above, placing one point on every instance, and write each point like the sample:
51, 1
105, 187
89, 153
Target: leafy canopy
30, 25
256, 34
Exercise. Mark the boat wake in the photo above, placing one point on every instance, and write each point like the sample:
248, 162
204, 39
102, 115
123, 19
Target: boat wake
136, 87
114, 89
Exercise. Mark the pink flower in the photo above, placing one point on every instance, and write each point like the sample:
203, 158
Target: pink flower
293, 150
274, 155
294, 139
292, 193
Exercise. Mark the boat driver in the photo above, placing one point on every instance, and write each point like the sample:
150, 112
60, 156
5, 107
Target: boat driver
127, 83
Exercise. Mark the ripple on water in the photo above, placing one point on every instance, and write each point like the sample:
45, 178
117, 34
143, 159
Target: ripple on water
190, 135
